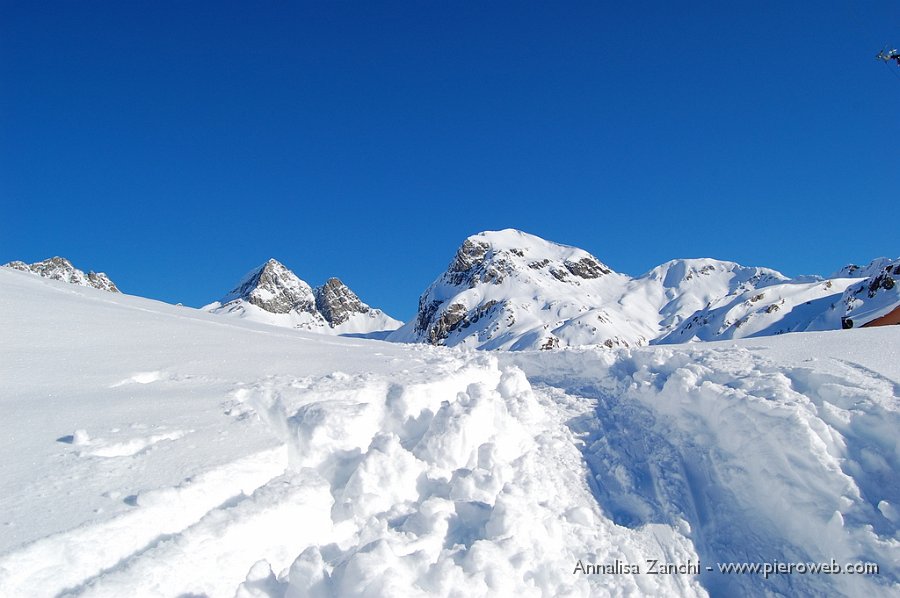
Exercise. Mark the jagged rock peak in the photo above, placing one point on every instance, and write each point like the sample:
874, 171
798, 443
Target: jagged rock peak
274, 288
336, 302
59, 268
272, 294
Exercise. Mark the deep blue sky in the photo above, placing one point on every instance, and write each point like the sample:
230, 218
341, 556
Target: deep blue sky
177, 145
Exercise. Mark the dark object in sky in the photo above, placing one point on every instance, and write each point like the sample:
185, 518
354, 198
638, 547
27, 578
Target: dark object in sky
888, 55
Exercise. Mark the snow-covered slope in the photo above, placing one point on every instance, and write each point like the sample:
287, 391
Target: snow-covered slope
511, 290
775, 309
272, 294
59, 268
154, 450
673, 292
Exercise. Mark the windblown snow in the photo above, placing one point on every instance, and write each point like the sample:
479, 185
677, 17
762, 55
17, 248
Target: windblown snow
155, 450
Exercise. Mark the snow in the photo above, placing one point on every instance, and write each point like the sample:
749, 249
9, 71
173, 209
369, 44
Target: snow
156, 450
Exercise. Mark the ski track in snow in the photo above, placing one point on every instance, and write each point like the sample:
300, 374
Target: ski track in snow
62, 563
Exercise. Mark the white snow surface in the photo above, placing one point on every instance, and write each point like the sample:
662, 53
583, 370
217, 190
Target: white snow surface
155, 450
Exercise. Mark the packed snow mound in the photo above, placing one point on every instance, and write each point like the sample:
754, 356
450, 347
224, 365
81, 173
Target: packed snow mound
273, 294
59, 268
155, 450
511, 290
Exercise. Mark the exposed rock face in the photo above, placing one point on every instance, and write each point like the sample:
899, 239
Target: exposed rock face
476, 263
275, 289
59, 268
273, 294
587, 267
336, 302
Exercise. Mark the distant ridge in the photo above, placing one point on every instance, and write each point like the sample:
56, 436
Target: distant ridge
59, 268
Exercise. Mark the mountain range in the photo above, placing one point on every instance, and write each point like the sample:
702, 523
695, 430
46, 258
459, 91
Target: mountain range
511, 290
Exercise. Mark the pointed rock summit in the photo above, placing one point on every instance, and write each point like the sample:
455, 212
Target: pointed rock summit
337, 303
273, 294
275, 289
59, 268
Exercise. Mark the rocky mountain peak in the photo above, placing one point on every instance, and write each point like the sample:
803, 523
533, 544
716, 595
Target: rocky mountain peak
273, 294
59, 268
500, 282
275, 289
336, 302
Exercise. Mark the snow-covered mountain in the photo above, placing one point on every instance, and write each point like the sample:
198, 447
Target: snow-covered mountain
59, 268
673, 292
273, 294
511, 290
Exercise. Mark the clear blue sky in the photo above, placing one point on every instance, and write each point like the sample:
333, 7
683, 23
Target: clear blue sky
175, 145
